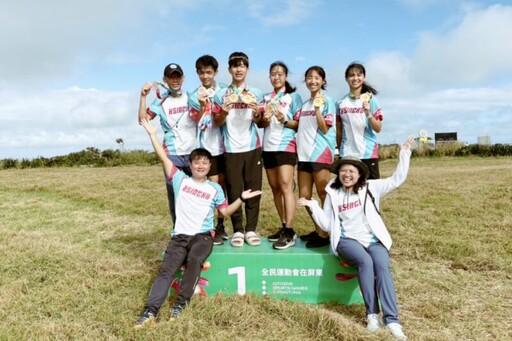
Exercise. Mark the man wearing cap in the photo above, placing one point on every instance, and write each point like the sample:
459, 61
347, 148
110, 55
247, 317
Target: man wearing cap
171, 107
358, 234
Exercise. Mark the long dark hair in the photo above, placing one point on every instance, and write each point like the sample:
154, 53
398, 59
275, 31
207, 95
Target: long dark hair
366, 87
320, 71
288, 87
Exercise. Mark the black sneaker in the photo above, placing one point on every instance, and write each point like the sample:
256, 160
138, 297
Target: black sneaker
286, 240
274, 237
146, 318
318, 242
176, 311
309, 236
220, 235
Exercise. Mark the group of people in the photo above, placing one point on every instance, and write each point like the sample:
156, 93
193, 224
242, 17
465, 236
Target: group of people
215, 139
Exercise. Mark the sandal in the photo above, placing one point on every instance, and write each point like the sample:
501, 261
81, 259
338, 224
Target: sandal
252, 238
238, 239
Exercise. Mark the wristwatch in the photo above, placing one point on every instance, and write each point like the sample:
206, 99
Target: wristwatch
285, 122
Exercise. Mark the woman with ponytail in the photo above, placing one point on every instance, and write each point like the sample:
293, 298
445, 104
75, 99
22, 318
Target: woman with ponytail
279, 150
359, 120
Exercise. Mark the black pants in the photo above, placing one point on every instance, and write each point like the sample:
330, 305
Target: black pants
192, 250
243, 172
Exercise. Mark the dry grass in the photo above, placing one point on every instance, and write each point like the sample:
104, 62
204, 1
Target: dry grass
80, 248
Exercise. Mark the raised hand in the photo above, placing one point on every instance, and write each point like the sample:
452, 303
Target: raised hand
151, 129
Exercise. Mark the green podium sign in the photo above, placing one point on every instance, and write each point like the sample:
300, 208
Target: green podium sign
297, 273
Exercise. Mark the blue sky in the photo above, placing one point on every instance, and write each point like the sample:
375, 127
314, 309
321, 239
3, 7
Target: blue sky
71, 71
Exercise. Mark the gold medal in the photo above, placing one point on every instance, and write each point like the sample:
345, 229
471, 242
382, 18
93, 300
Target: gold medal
365, 98
247, 98
233, 98
318, 101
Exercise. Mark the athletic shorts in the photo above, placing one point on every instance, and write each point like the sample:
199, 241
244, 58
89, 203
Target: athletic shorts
310, 167
218, 165
276, 159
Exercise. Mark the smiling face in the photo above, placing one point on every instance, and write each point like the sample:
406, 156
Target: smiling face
200, 167
278, 77
206, 76
175, 81
355, 79
238, 72
348, 175
314, 81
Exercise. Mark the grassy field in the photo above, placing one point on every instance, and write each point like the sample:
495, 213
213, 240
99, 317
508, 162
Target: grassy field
80, 247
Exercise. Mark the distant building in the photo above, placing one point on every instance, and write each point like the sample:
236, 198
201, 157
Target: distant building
484, 140
445, 137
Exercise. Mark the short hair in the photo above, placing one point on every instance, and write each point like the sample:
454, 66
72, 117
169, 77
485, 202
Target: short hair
200, 153
237, 59
205, 61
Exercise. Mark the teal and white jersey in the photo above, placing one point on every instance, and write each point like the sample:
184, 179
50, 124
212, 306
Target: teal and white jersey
312, 144
209, 136
178, 127
358, 137
240, 132
276, 137
203, 197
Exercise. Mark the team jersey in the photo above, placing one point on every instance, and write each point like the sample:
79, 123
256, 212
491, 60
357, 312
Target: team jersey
352, 222
178, 126
312, 144
240, 132
195, 203
358, 138
209, 136
276, 137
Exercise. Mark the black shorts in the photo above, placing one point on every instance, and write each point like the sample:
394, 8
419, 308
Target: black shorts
276, 159
310, 167
218, 165
373, 167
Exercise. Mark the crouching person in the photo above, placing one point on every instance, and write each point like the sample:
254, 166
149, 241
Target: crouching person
192, 237
351, 215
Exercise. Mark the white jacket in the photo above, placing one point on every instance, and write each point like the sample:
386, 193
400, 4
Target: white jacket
327, 218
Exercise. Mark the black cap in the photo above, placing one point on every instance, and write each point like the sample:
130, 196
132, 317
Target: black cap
172, 68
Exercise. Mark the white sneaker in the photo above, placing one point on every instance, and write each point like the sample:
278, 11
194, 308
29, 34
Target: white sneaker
372, 322
396, 331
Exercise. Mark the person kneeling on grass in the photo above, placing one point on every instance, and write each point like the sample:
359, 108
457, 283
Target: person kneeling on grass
358, 234
192, 238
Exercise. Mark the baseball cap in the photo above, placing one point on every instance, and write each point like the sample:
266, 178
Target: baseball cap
172, 68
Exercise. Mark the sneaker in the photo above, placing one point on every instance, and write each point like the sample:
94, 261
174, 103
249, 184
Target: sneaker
220, 227
274, 237
286, 240
176, 311
396, 331
220, 235
309, 236
372, 322
146, 318
318, 242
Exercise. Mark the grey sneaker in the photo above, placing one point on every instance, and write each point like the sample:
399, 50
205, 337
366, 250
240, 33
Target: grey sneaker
396, 331
220, 235
176, 311
286, 240
146, 318
372, 322
274, 237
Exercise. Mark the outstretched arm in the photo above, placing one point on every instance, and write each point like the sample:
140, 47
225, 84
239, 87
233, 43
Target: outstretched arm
151, 130
248, 194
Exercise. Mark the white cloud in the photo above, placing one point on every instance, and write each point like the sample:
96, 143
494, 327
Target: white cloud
475, 51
